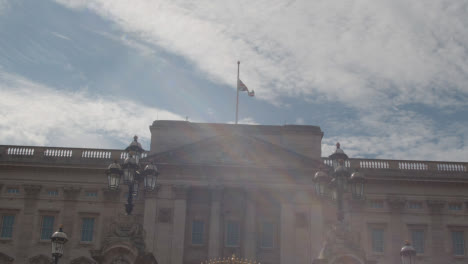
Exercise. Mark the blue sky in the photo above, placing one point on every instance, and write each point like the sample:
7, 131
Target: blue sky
388, 79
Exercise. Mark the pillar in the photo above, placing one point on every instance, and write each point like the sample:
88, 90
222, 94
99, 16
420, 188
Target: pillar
178, 230
250, 238
214, 233
149, 219
27, 223
396, 228
437, 232
287, 230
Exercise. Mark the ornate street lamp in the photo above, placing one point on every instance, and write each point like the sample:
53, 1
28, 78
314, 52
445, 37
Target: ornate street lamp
59, 238
408, 254
132, 173
339, 182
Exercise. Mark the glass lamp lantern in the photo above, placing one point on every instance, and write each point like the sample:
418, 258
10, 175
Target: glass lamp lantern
130, 168
150, 174
59, 238
322, 181
114, 172
408, 254
357, 181
135, 150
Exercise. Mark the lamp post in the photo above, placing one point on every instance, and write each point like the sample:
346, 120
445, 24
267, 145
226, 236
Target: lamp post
59, 238
132, 174
340, 181
408, 254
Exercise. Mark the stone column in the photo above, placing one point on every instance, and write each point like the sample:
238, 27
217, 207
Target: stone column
214, 233
69, 217
396, 228
437, 231
287, 229
30, 207
178, 233
149, 219
249, 244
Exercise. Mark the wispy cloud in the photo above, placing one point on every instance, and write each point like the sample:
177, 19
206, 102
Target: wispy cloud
361, 53
32, 114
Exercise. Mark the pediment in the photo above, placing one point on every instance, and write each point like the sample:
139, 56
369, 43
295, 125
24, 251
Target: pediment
234, 150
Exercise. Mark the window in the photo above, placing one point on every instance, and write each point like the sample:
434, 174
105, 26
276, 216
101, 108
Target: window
458, 241
47, 227
13, 190
267, 235
232, 233
91, 193
455, 206
87, 229
52, 193
7, 226
377, 238
417, 237
377, 204
197, 232
415, 205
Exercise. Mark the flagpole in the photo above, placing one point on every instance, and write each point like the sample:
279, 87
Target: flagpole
237, 88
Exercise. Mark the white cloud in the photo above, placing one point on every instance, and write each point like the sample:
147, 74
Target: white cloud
363, 53
32, 114
401, 135
246, 121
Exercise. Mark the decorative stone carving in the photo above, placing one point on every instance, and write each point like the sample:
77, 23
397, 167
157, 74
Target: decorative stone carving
396, 203
40, 259
180, 191
82, 260
340, 242
165, 215
435, 205
5, 259
120, 260
125, 229
32, 191
71, 192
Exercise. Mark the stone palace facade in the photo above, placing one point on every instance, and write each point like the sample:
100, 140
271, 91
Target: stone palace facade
228, 189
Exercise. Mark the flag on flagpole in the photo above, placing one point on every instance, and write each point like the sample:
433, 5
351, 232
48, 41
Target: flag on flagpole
241, 86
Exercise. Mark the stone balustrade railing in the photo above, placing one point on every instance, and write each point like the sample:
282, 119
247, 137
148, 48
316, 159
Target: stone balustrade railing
44, 153
404, 165
63, 153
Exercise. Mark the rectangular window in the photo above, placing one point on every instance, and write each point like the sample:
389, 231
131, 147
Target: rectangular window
377, 204
458, 241
377, 236
52, 193
267, 235
197, 232
47, 227
13, 190
7, 226
87, 229
232, 234
415, 205
91, 194
455, 206
417, 237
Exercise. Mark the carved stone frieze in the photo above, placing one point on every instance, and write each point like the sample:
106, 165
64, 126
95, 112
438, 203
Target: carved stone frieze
125, 229
71, 192
32, 191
